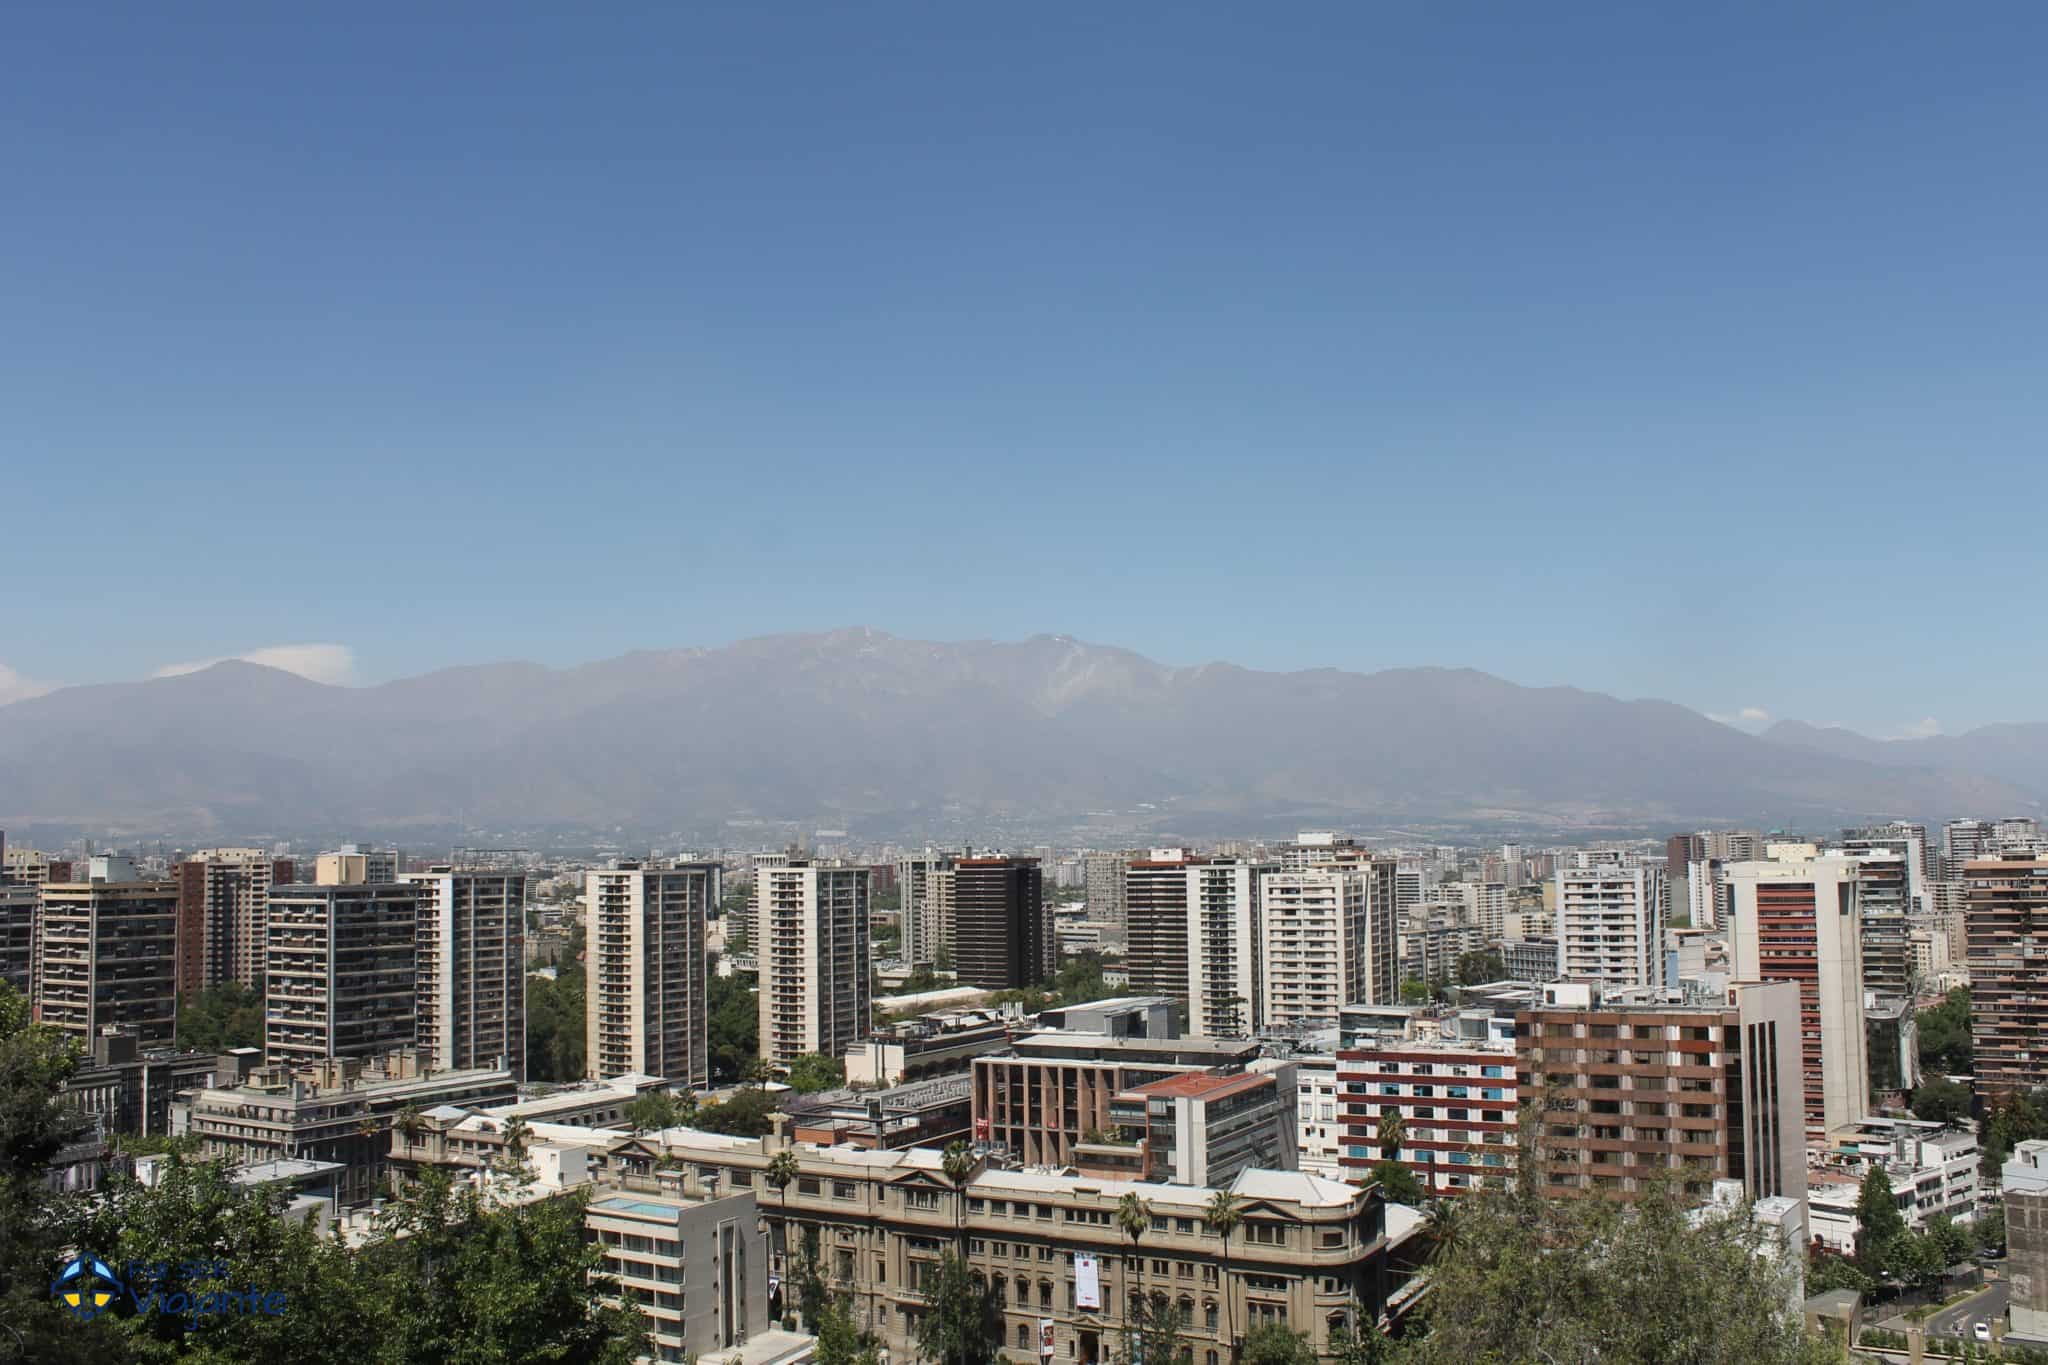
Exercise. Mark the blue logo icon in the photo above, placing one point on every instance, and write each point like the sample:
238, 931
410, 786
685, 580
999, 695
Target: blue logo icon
87, 1287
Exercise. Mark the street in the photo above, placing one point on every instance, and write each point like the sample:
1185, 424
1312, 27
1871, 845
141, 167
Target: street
1989, 1305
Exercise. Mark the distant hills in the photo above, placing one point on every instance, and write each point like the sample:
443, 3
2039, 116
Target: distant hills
888, 737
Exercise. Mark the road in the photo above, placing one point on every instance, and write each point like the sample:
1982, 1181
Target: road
1988, 1305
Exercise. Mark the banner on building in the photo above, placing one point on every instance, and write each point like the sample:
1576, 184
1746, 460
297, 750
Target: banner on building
1087, 1282
1045, 1337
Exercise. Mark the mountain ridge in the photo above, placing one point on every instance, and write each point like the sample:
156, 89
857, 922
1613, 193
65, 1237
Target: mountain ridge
890, 736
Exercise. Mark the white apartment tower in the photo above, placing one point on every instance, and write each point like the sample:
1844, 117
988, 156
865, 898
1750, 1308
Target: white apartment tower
1797, 917
1104, 878
925, 884
1610, 921
1226, 988
470, 957
644, 982
812, 918
1328, 941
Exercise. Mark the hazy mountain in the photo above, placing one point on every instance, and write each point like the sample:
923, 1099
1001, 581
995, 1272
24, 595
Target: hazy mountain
2017, 754
886, 736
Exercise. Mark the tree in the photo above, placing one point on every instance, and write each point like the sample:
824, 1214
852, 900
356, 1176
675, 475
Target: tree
2023, 1116
1275, 1343
1392, 1132
1880, 1227
1224, 1216
1398, 1184
1134, 1220
1443, 1226
653, 1112
221, 1017
782, 1168
482, 1284
959, 1164
1988, 1231
749, 1113
1944, 1033
35, 1061
555, 1026
1580, 1280
841, 1341
810, 1073
733, 1025
808, 1277
1415, 992
963, 1322
1482, 964
1152, 1336
1940, 1100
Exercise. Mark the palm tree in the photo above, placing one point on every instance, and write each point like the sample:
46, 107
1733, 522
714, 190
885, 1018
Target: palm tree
1443, 1227
782, 1170
1134, 1217
1224, 1216
1392, 1133
959, 1164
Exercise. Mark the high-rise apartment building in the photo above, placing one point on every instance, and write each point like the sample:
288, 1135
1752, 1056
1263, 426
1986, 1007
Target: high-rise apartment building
352, 866
1909, 843
341, 971
925, 885
813, 956
644, 975
1885, 900
1226, 986
1797, 917
1456, 1098
1610, 921
1002, 927
2018, 835
1156, 950
1637, 1085
1320, 950
2006, 924
470, 959
223, 901
17, 935
106, 953
33, 867
1318, 848
1964, 841
1104, 885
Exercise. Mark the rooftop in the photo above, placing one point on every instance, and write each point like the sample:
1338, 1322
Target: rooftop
1203, 1085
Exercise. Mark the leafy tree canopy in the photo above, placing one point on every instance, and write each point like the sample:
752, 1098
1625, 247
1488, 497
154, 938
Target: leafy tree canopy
221, 1017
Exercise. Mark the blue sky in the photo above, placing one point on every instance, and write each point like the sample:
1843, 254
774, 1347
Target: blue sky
1660, 351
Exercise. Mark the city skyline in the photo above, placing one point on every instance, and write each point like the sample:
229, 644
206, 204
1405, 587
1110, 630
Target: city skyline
1523, 334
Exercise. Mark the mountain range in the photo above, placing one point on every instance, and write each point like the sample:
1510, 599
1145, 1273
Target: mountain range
896, 738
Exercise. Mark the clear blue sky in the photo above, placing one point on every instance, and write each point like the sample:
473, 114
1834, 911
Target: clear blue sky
1693, 352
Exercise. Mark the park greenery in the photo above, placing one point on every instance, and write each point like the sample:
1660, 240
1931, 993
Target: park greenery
1526, 1278
221, 1017
555, 1024
1944, 1031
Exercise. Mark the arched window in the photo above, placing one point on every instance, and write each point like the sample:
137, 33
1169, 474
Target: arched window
1023, 1336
